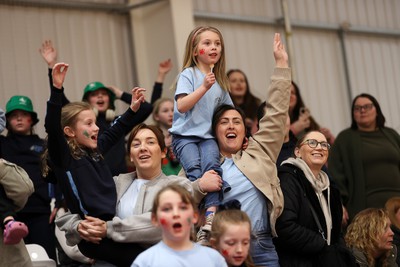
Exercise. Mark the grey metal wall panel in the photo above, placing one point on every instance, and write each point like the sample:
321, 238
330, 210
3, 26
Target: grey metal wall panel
95, 44
372, 50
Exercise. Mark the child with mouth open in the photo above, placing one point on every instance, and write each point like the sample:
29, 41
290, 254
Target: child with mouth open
174, 211
75, 155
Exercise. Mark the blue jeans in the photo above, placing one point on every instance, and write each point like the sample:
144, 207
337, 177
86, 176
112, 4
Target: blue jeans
198, 155
262, 250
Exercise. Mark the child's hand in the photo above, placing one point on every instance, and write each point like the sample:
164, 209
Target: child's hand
281, 57
137, 98
59, 72
49, 53
117, 92
209, 80
165, 66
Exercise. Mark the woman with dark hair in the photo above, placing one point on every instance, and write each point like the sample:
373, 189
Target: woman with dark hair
243, 98
300, 117
365, 158
132, 227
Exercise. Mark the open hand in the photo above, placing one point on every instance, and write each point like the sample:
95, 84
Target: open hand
49, 53
280, 54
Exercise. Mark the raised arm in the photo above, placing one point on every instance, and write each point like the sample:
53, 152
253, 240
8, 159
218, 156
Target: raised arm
59, 72
271, 130
49, 53
163, 68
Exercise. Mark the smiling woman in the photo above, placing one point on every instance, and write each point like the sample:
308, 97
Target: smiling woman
310, 223
136, 191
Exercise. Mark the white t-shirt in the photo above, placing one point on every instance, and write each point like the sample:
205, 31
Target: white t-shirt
127, 202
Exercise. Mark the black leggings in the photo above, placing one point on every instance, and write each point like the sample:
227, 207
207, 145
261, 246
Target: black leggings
119, 254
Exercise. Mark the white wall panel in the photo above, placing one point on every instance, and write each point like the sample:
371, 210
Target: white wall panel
374, 69
95, 44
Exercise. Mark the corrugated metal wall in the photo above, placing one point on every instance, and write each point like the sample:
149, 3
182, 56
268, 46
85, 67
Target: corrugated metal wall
95, 44
372, 47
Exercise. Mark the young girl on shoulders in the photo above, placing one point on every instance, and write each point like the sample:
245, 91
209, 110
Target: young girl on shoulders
201, 87
174, 211
231, 235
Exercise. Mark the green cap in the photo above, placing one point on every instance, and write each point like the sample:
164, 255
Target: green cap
20, 102
93, 86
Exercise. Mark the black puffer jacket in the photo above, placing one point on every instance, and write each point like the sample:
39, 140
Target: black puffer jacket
299, 241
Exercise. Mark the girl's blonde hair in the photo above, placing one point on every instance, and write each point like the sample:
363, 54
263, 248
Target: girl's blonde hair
221, 222
392, 206
364, 232
190, 60
156, 108
69, 114
69, 117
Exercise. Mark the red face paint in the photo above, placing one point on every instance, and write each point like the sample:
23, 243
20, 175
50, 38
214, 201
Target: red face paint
225, 252
202, 51
163, 221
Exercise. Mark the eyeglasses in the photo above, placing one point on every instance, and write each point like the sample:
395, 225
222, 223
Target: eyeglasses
314, 143
366, 107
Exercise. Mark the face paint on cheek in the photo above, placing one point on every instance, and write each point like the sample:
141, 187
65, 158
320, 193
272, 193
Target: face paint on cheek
189, 220
202, 51
86, 134
163, 221
225, 252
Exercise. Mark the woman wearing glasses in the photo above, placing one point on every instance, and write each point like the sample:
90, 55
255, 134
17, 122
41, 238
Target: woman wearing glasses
365, 158
311, 219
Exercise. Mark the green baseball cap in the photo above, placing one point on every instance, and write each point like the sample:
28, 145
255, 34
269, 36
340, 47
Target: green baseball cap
94, 86
20, 102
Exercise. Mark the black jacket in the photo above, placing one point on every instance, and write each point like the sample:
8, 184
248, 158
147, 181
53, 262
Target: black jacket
87, 182
25, 151
299, 241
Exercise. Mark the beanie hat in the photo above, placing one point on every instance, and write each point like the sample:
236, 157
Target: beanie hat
20, 102
94, 86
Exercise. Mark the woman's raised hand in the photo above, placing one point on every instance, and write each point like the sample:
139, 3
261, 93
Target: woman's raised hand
280, 54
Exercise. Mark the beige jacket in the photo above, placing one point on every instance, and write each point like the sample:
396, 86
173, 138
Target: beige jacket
258, 161
16, 183
18, 187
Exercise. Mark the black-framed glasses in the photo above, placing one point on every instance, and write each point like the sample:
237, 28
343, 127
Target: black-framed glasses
365, 107
314, 143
